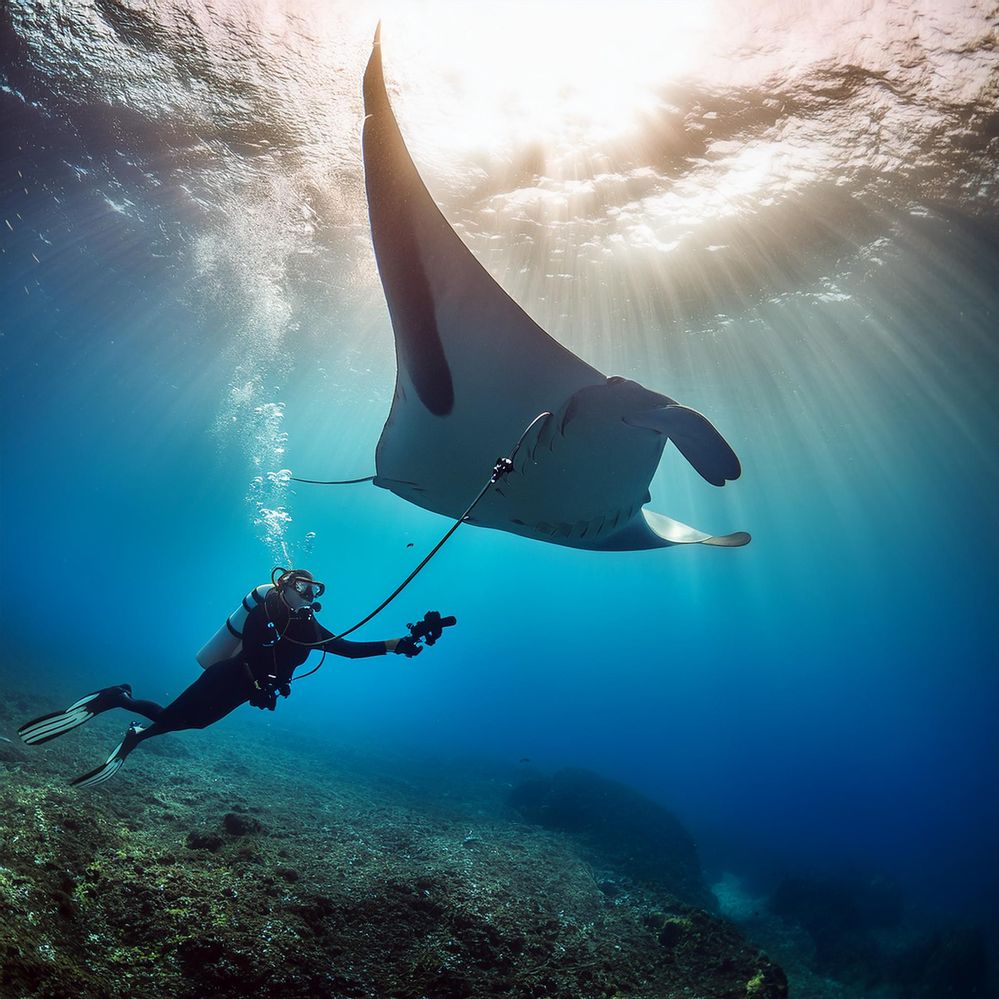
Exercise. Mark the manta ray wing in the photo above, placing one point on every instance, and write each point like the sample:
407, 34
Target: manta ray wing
473, 370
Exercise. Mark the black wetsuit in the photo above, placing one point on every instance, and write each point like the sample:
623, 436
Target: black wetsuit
262, 666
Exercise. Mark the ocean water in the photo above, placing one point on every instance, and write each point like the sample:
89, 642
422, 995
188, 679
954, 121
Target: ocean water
783, 215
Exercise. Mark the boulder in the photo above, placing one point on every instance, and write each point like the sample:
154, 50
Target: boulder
623, 830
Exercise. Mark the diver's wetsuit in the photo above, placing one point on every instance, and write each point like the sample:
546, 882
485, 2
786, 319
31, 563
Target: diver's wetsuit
258, 668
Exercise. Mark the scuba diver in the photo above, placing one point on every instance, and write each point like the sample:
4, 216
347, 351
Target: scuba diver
251, 660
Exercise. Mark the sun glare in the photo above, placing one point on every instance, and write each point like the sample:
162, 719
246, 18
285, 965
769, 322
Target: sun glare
559, 73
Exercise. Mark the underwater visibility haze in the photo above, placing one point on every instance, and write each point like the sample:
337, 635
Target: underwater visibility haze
782, 215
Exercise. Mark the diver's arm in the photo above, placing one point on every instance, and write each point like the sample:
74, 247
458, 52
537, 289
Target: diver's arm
353, 650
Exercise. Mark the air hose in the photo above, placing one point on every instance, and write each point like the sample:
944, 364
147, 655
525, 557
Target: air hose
501, 468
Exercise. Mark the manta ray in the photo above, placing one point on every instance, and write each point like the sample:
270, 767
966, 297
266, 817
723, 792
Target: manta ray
474, 370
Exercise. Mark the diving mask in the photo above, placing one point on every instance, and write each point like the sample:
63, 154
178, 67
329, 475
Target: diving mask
298, 582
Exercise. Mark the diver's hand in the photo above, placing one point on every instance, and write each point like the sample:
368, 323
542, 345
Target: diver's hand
284, 690
264, 698
392, 644
406, 646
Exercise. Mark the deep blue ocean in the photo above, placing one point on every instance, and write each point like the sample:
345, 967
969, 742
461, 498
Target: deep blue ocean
785, 216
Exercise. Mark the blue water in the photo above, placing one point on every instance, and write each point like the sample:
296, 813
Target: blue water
190, 306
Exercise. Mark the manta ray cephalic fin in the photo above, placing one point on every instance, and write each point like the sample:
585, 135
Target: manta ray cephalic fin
676, 533
695, 437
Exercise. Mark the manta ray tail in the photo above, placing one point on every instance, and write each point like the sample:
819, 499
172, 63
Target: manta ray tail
696, 439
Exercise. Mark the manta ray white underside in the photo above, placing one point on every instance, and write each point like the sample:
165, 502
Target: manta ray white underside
474, 370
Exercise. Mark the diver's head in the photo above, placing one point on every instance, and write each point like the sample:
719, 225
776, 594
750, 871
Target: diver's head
298, 588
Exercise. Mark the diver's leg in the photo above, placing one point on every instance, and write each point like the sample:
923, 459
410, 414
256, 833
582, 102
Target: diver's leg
220, 689
148, 709
215, 693
58, 723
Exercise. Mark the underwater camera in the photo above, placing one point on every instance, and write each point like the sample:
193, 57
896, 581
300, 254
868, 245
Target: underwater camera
431, 627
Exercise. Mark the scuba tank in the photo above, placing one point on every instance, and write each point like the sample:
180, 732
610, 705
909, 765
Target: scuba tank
228, 640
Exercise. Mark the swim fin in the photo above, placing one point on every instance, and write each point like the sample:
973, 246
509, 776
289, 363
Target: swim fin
113, 763
59, 722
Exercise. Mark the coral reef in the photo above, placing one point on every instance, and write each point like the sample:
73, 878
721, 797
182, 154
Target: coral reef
247, 862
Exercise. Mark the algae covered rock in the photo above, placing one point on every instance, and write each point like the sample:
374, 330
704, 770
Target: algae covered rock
203, 839
241, 824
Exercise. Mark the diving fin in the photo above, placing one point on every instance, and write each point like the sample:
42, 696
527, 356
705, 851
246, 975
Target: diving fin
112, 765
696, 439
40, 730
